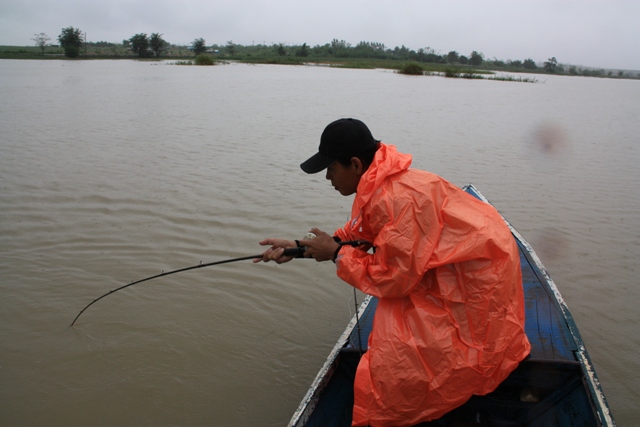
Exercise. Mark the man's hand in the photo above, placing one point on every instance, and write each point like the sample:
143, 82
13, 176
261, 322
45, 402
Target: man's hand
275, 252
321, 248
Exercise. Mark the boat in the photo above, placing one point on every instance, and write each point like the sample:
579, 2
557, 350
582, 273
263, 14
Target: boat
556, 385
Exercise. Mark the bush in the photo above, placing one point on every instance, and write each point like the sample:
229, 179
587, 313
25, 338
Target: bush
451, 72
71, 51
204, 59
411, 68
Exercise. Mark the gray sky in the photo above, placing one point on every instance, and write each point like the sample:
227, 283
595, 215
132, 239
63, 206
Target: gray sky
598, 33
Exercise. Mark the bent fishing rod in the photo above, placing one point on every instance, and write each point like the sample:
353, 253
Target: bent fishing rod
294, 252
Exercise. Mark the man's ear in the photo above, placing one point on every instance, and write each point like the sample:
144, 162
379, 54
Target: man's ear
357, 164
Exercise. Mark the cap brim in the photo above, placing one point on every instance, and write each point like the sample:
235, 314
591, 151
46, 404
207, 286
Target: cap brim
316, 163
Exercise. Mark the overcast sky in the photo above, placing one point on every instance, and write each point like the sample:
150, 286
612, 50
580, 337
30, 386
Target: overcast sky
599, 33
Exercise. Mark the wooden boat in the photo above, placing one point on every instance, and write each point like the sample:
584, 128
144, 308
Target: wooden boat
556, 385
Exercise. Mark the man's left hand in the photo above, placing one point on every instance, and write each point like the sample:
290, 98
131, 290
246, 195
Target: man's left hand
322, 247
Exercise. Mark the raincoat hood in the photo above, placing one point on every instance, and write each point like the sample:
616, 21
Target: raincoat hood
387, 162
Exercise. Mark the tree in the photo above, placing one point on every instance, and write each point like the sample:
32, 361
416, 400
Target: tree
71, 41
551, 66
198, 46
453, 57
404, 53
368, 50
529, 64
42, 40
157, 44
475, 58
303, 51
140, 45
231, 47
281, 50
339, 48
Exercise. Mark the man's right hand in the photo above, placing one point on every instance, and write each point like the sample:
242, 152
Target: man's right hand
275, 252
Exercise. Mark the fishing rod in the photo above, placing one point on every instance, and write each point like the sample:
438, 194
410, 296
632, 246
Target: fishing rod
294, 252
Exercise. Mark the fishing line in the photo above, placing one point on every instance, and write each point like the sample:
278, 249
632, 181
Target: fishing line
295, 252
355, 301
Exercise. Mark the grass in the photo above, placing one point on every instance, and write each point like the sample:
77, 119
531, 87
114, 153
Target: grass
464, 73
90, 51
514, 79
477, 74
361, 65
271, 60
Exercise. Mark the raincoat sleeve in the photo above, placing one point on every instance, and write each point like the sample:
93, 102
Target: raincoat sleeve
406, 226
417, 227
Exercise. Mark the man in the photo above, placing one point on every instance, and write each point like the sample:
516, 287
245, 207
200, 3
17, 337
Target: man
445, 268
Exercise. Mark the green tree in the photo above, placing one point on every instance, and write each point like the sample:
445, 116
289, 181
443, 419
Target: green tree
199, 46
339, 48
453, 57
529, 64
404, 53
281, 50
231, 48
368, 50
71, 41
140, 45
157, 44
303, 51
551, 66
475, 58
41, 40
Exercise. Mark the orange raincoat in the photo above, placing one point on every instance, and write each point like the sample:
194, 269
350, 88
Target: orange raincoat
446, 270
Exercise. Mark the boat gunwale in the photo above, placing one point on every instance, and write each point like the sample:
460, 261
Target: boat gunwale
310, 400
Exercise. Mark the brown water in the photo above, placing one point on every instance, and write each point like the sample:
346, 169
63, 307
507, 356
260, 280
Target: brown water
111, 171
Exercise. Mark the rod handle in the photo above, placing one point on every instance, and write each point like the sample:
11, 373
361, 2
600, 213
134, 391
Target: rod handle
296, 252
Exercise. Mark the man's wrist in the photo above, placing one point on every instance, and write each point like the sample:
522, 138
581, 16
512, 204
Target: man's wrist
335, 254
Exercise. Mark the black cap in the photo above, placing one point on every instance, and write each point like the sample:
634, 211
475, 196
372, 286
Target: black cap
340, 140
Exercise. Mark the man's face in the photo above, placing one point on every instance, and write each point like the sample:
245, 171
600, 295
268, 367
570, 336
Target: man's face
345, 179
